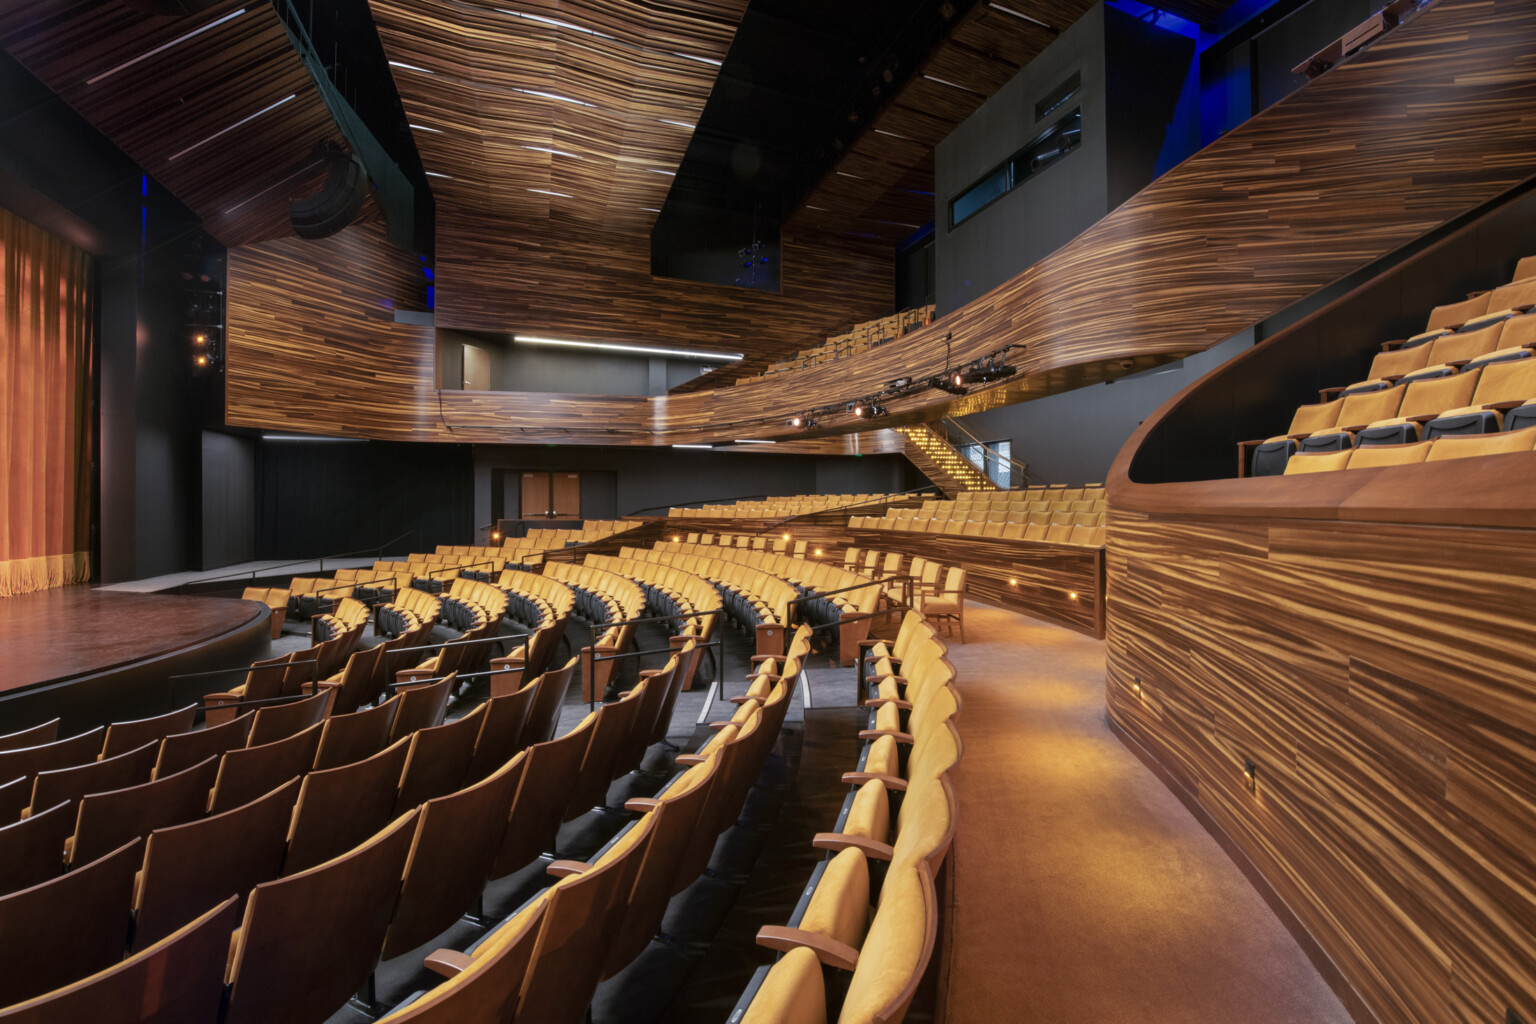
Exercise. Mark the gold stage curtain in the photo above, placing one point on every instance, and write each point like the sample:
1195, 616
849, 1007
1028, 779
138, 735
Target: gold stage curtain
46, 322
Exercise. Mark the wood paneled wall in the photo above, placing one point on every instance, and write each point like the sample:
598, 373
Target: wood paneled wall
1340, 173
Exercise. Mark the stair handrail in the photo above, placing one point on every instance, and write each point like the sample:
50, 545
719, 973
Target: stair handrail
946, 424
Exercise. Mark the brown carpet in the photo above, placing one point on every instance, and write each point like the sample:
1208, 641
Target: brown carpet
1082, 889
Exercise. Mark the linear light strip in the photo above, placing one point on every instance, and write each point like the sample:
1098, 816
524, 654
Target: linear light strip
164, 46
237, 124
532, 339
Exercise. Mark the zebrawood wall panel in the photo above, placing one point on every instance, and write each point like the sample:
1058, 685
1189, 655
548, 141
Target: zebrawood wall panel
217, 106
1382, 676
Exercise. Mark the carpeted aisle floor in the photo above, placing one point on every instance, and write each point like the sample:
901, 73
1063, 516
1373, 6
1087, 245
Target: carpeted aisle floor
1083, 890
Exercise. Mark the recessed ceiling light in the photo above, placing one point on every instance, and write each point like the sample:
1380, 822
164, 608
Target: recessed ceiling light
1016, 14
679, 124
435, 174
649, 209
226, 131
693, 446
556, 152
701, 60
163, 47
943, 81
555, 23
658, 170
856, 177
547, 192
533, 339
553, 96
425, 128
410, 67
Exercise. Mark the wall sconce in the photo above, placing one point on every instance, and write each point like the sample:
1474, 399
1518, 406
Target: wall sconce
1013, 583
1251, 776
1071, 595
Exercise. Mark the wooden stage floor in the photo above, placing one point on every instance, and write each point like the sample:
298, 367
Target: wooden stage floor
103, 641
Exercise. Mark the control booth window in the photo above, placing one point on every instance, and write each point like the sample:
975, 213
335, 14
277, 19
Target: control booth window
1048, 147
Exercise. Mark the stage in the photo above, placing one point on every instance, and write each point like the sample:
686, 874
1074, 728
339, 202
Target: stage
91, 656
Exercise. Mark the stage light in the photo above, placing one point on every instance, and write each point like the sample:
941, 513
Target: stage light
950, 383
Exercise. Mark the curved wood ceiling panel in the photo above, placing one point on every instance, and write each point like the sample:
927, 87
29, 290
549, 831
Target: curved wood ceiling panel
612, 87
218, 107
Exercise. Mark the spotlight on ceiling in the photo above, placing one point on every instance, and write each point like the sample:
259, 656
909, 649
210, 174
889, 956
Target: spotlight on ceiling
805, 421
985, 373
949, 383
868, 409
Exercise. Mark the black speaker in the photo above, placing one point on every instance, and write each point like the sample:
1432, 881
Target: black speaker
338, 201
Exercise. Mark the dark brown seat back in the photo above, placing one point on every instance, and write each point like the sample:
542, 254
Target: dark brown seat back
501, 733
422, 707
33, 736
15, 796
457, 837
107, 820
134, 991
125, 736
688, 666
247, 773
353, 737
182, 750
266, 679
573, 944
32, 850
341, 807
309, 941
67, 927
548, 699
356, 680
70, 784
656, 684
279, 721
189, 868
438, 761
676, 820
47, 757
545, 789
609, 732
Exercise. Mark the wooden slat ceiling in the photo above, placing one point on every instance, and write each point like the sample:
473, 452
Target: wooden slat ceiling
579, 110
884, 181
218, 106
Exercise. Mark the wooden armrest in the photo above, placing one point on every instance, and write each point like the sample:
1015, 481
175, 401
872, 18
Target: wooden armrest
209, 698
641, 804
827, 949
1423, 418
870, 734
690, 759
450, 963
875, 702
891, 781
1458, 363
1352, 429
510, 661
759, 658
772, 677
1329, 394
866, 644
1491, 406
562, 868
717, 726
741, 699
648, 673
898, 680
837, 842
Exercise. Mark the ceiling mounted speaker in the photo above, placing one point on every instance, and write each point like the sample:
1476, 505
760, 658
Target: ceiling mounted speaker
338, 201
171, 8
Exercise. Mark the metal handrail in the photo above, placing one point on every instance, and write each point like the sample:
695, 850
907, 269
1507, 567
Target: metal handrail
696, 501
239, 668
253, 573
948, 423
780, 524
904, 578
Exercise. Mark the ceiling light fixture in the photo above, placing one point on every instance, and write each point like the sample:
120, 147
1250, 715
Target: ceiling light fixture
944, 81
548, 192
679, 124
681, 353
556, 23
701, 60
552, 96
658, 170
693, 446
244, 120
554, 152
411, 67
1020, 16
748, 440
425, 128
163, 47
437, 174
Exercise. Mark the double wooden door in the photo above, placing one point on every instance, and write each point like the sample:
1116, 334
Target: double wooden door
557, 495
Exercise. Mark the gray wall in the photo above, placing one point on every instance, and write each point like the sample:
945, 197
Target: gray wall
1073, 437
229, 499
584, 372
641, 477
1132, 75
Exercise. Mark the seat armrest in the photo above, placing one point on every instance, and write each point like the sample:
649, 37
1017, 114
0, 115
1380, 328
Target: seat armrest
1329, 394
562, 868
1492, 407
689, 759
891, 781
759, 658
875, 702
837, 842
641, 804
827, 949
449, 963
870, 734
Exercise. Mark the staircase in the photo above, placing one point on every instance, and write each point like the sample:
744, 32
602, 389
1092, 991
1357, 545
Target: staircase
941, 462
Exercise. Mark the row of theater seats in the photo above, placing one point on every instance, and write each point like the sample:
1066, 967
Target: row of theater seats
309, 939
774, 508
1438, 450
863, 933
778, 543
859, 338
756, 600
835, 594
606, 599
1471, 372
935, 592
530, 549
691, 601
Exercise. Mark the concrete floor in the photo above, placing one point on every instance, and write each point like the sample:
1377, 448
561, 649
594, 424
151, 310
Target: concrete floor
1083, 890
